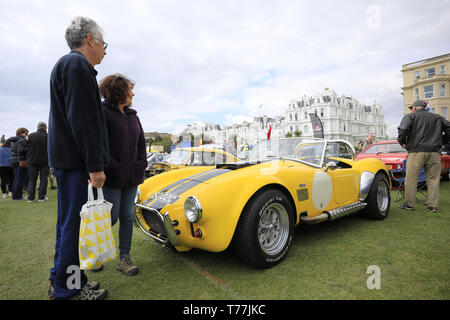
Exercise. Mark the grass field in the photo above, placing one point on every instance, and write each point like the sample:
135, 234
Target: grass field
326, 261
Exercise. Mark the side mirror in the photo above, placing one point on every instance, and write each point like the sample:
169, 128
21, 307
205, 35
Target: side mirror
330, 165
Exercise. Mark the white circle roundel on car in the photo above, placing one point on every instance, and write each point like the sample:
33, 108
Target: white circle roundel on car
322, 190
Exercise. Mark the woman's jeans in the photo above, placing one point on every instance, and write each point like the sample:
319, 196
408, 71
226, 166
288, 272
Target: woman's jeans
123, 205
20, 175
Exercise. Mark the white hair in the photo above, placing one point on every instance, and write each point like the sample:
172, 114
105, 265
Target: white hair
79, 28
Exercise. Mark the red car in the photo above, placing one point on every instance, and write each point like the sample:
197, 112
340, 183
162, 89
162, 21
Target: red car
392, 154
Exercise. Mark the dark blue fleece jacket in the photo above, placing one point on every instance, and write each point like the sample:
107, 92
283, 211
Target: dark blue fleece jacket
127, 147
77, 133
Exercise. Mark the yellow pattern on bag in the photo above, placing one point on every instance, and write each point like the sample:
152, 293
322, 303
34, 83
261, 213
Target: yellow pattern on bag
96, 244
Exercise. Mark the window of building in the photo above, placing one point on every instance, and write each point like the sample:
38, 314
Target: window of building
417, 94
444, 112
296, 117
290, 116
417, 74
306, 115
442, 69
433, 110
305, 129
428, 92
429, 72
321, 112
442, 90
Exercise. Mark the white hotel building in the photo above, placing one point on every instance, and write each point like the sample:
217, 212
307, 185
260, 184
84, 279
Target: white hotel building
342, 117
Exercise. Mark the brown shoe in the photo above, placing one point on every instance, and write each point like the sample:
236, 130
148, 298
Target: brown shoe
406, 207
433, 209
126, 266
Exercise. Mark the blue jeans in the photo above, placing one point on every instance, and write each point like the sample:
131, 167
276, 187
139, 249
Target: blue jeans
72, 195
123, 204
20, 175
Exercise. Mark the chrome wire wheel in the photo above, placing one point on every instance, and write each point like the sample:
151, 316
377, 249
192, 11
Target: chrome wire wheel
273, 229
383, 196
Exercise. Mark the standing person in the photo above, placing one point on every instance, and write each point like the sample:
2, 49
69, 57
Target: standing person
78, 150
18, 145
6, 171
128, 160
421, 134
37, 158
173, 146
364, 144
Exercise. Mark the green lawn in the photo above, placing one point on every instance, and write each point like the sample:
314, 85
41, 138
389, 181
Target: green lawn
326, 261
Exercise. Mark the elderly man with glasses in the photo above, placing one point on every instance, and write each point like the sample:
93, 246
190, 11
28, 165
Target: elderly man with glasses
78, 150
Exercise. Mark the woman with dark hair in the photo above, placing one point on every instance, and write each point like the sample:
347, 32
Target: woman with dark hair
127, 162
18, 145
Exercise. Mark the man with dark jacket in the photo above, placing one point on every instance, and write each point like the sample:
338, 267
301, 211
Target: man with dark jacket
78, 150
37, 158
421, 134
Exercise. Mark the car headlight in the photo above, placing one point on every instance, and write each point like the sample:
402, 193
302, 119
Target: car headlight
192, 209
138, 196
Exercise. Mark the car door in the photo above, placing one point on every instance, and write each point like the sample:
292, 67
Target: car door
344, 177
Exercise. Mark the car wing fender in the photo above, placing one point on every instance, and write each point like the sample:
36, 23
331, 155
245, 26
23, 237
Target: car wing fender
366, 181
235, 203
365, 184
248, 190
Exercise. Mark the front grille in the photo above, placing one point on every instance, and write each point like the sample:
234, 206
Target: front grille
154, 221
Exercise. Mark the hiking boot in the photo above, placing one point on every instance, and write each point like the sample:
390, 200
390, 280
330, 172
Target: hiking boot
85, 294
126, 266
42, 200
406, 207
89, 286
433, 209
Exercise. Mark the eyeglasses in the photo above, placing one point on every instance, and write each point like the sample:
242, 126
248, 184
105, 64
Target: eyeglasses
105, 45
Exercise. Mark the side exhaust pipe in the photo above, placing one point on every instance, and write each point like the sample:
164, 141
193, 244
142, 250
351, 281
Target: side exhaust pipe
334, 214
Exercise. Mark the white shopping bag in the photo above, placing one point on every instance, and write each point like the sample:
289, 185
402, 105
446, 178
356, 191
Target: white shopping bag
96, 245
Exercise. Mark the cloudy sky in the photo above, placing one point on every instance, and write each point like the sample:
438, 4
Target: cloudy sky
219, 60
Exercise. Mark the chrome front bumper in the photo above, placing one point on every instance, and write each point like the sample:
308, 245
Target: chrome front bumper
169, 237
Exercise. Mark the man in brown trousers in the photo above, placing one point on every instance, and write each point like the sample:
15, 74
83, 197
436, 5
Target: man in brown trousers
423, 134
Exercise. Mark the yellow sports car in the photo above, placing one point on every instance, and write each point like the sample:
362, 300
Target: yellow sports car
253, 206
194, 156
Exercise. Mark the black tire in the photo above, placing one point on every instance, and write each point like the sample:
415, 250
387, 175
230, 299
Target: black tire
258, 241
378, 200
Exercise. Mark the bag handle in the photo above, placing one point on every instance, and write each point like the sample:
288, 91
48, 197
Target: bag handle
91, 193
